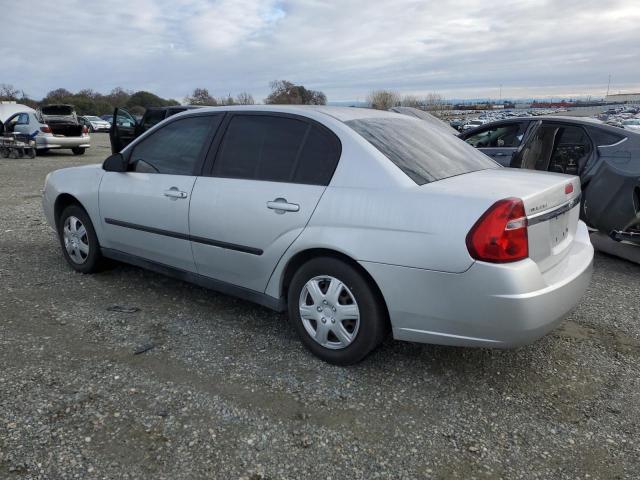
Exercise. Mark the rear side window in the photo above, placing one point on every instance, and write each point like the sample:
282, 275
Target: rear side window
423, 153
175, 148
277, 149
602, 138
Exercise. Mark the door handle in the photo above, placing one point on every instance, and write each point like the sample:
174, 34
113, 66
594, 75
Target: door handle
280, 205
174, 193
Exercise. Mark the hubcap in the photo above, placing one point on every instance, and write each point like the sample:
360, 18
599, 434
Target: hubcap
76, 240
329, 312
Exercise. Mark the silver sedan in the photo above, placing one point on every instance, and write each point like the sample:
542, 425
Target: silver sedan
358, 222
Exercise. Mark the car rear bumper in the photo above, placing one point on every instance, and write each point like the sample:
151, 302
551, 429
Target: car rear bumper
489, 305
51, 142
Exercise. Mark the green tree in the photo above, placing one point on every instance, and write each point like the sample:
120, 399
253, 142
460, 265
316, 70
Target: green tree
147, 99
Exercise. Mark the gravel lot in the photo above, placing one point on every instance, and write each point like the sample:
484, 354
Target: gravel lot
227, 391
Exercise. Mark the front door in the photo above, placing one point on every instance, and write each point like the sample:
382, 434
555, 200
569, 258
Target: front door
145, 211
268, 176
124, 130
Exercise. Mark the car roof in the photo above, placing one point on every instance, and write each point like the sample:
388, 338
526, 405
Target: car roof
563, 118
176, 107
8, 109
583, 121
343, 114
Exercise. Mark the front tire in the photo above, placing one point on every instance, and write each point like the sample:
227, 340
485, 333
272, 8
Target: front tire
337, 314
78, 240
78, 150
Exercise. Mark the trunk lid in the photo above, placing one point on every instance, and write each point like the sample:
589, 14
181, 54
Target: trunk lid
551, 202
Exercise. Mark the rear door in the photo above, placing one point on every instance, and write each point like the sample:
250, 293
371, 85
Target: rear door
269, 173
124, 129
145, 211
500, 142
611, 181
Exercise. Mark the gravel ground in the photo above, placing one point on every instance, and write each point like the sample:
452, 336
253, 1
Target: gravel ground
225, 390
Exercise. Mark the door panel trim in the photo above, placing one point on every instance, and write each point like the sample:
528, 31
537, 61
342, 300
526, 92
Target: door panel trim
277, 304
183, 236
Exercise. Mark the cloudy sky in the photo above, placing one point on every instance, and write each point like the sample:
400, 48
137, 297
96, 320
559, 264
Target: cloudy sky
460, 49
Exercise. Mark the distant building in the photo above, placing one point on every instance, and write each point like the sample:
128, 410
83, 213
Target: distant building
623, 98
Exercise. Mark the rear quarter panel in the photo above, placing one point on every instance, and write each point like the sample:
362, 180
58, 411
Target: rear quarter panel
409, 227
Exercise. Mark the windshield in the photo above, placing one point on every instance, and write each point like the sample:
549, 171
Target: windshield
93, 118
423, 153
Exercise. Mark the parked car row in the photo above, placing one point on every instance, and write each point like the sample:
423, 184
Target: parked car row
358, 222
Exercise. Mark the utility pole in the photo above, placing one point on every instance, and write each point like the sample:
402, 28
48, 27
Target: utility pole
608, 86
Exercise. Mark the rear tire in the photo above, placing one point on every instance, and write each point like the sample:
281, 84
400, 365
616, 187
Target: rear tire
78, 150
78, 240
337, 314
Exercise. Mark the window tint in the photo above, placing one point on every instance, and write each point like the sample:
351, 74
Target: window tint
423, 153
151, 118
318, 159
175, 148
602, 137
497, 137
278, 149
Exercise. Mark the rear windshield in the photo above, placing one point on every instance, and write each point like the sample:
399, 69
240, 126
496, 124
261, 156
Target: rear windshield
423, 153
57, 110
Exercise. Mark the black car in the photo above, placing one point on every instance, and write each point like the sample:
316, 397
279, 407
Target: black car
606, 158
125, 127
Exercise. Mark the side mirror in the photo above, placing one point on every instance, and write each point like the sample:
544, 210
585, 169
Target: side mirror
115, 163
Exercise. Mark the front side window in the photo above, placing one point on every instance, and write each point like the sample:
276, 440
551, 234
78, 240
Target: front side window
175, 148
277, 149
497, 137
422, 152
12, 122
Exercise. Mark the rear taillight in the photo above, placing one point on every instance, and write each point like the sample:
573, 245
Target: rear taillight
568, 188
45, 129
85, 130
500, 235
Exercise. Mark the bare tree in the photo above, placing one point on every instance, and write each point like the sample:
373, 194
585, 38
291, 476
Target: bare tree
200, 96
412, 101
285, 92
8, 92
383, 99
228, 100
434, 101
245, 98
